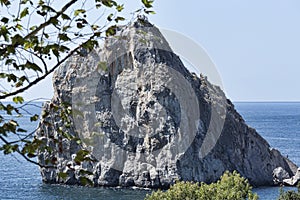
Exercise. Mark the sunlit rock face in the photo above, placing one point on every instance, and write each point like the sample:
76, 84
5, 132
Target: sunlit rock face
145, 120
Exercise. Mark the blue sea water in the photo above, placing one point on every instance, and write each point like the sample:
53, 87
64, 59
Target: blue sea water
278, 123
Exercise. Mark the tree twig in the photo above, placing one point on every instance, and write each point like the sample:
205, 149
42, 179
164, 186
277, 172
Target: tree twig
25, 157
48, 72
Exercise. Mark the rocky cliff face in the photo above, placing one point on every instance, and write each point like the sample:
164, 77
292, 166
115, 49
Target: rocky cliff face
146, 121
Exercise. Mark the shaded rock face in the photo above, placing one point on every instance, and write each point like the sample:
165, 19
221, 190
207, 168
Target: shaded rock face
147, 121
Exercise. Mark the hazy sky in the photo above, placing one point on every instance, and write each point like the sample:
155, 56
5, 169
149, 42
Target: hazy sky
254, 44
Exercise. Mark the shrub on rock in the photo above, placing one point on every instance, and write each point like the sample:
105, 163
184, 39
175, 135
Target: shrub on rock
290, 195
230, 186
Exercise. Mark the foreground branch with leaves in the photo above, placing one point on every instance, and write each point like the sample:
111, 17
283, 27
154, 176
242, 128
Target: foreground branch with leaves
36, 37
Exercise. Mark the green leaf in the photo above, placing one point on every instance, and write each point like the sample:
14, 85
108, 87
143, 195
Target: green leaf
55, 52
79, 11
81, 156
24, 1
17, 40
63, 48
18, 99
90, 45
111, 31
98, 5
21, 130
119, 19
54, 21
79, 25
114, 3
94, 27
63, 175
138, 10
107, 3
5, 2
63, 37
4, 20
10, 126
31, 155
22, 79
5, 33
12, 77
97, 34
65, 17
9, 108
83, 21
28, 45
147, 3
3, 75
120, 7
7, 149
78, 141
65, 28
45, 114
24, 12
19, 26
34, 118
32, 28
150, 12
41, 13
41, 2
109, 18
33, 66
85, 181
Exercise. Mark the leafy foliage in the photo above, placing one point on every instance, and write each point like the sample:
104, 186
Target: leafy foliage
290, 195
230, 186
36, 37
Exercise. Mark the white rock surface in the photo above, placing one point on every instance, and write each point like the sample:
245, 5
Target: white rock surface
293, 181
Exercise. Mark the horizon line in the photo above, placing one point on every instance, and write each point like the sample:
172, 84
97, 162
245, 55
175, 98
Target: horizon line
266, 101
234, 101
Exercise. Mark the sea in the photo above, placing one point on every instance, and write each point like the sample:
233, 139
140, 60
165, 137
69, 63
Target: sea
277, 122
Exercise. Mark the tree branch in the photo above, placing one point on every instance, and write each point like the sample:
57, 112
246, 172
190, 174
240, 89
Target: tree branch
42, 26
48, 72
25, 157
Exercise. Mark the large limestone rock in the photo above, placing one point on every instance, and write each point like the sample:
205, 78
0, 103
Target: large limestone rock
147, 120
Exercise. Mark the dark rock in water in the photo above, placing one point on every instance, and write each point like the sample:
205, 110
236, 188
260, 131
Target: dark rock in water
147, 121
